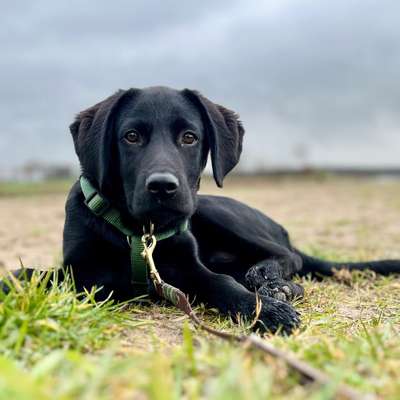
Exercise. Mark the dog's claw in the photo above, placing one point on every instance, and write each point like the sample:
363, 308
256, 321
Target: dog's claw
280, 296
287, 291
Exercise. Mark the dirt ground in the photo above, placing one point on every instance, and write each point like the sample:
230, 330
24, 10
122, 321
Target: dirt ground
353, 218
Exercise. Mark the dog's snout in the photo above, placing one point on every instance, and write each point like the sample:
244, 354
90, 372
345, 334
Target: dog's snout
162, 184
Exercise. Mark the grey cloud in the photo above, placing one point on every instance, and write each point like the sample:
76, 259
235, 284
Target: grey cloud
321, 74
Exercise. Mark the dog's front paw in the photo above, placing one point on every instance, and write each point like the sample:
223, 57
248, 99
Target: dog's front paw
276, 316
266, 279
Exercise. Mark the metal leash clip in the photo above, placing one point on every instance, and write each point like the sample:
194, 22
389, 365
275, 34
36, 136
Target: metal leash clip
149, 244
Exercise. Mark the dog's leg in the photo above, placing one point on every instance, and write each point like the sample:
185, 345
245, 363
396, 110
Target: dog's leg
260, 255
219, 290
271, 278
231, 298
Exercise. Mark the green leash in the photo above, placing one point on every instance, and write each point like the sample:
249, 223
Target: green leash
102, 208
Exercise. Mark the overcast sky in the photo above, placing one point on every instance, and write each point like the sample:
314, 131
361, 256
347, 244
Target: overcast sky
314, 81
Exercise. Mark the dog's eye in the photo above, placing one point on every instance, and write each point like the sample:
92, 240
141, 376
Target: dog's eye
132, 137
189, 139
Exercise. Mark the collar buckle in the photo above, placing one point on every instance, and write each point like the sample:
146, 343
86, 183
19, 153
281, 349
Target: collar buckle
97, 204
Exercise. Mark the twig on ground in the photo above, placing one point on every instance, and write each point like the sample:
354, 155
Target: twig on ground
310, 373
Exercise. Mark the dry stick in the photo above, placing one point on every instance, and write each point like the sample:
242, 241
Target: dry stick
180, 300
305, 369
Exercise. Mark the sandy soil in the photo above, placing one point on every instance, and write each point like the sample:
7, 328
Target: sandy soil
348, 217
31, 229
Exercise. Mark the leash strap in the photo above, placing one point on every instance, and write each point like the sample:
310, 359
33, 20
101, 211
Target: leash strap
173, 294
102, 208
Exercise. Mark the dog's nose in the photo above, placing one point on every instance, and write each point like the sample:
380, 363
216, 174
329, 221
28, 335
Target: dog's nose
162, 184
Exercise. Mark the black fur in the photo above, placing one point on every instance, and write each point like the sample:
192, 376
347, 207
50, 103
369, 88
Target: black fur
231, 250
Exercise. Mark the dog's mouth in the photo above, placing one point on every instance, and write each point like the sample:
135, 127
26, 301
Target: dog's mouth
161, 213
162, 220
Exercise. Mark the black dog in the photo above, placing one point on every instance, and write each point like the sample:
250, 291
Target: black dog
144, 152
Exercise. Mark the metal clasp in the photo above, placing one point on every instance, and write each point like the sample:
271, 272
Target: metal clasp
149, 243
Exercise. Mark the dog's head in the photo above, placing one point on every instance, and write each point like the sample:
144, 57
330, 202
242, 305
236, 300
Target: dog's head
145, 149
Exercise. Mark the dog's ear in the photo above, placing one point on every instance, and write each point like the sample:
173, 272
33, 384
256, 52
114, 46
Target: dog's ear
92, 134
224, 133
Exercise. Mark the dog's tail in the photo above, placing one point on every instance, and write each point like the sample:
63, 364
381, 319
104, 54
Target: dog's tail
318, 267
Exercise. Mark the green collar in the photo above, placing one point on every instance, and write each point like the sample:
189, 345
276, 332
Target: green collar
101, 207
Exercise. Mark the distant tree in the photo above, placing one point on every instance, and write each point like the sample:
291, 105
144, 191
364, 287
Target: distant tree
59, 172
37, 171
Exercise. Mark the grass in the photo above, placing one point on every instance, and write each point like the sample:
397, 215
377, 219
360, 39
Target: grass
34, 321
22, 189
57, 344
